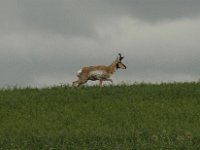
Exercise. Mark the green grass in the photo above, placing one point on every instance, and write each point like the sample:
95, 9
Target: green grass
139, 116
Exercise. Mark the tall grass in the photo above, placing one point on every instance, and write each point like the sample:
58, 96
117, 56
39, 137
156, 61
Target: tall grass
139, 116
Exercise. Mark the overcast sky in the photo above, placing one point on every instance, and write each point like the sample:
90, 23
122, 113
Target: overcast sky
44, 42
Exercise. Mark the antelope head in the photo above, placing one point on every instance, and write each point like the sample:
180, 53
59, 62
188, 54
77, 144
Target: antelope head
119, 63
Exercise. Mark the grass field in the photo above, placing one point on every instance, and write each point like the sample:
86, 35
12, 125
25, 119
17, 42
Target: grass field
138, 116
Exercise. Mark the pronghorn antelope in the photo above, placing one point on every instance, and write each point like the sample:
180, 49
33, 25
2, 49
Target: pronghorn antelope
101, 73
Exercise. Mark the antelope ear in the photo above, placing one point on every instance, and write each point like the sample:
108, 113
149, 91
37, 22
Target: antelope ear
118, 58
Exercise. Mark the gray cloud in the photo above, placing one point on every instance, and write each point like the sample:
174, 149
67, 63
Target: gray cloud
158, 10
44, 42
78, 17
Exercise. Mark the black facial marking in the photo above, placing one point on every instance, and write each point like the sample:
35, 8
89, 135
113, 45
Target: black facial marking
117, 65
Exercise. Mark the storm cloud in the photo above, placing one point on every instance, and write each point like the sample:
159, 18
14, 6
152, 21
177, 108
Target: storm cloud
44, 42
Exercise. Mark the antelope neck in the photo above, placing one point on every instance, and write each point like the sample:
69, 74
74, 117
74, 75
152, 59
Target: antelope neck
112, 67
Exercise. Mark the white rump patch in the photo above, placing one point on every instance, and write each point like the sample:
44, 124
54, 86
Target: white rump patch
79, 71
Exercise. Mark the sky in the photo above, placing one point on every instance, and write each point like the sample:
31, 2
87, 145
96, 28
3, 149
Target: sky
45, 42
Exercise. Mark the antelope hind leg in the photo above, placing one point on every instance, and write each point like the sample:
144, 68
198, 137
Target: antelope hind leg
75, 83
80, 82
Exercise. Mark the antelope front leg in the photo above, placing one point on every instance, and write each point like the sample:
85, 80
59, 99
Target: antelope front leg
110, 80
100, 82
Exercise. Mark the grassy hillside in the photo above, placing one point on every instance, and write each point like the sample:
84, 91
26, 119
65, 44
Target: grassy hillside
140, 116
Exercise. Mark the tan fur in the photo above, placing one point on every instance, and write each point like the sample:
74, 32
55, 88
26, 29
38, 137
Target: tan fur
108, 69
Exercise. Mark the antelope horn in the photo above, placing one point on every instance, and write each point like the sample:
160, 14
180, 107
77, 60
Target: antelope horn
120, 56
